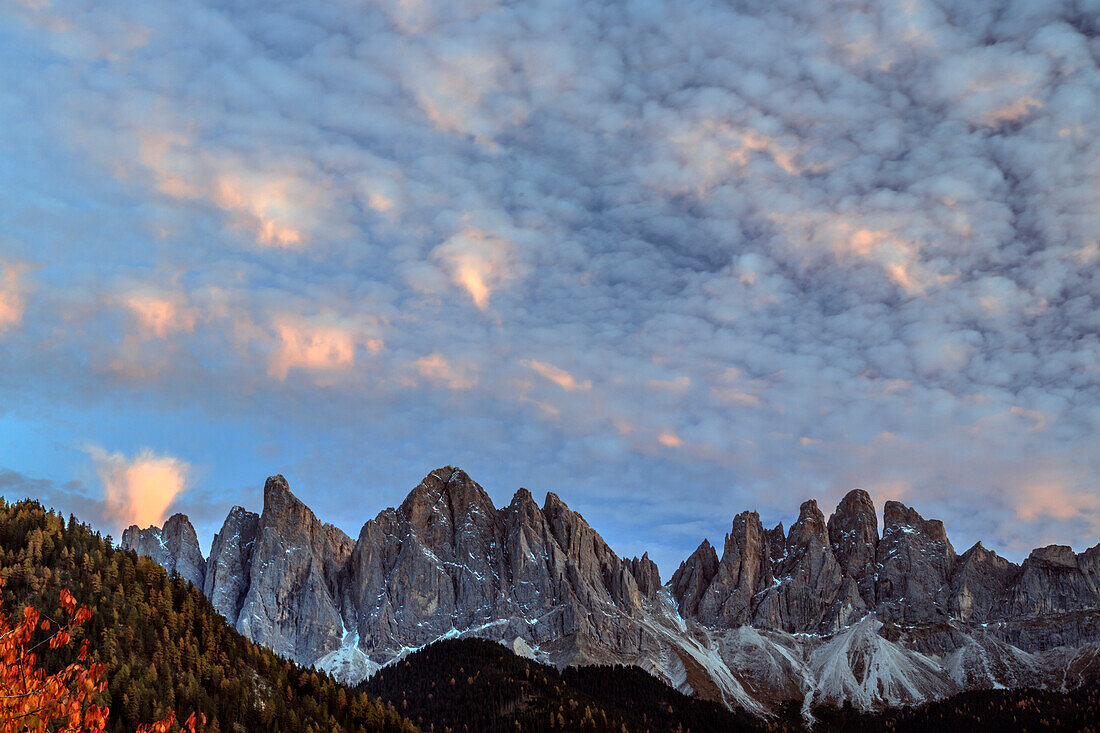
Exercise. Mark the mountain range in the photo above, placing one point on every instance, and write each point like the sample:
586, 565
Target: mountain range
828, 614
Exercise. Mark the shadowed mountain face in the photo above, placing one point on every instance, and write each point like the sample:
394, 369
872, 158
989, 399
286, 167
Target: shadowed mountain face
827, 613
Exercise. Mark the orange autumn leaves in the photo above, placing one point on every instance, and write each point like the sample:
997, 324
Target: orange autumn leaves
32, 700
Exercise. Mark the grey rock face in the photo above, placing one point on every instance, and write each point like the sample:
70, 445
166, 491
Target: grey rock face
229, 567
175, 546
448, 560
147, 542
693, 577
429, 566
744, 570
291, 603
915, 562
646, 575
979, 586
777, 542
1051, 581
853, 534
811, 592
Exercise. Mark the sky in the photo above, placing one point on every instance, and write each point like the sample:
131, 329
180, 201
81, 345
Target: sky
670, 260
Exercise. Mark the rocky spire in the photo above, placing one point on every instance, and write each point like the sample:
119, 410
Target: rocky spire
777, 543
291, 605
591, 560
228, 571
646, 575
534, 561
744, 570
916, 561
693, 577
853, 534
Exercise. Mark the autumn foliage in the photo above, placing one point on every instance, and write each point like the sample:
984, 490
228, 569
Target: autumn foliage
162, 644
33, 700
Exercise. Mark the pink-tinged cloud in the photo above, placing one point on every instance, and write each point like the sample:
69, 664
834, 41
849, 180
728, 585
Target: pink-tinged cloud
1052, 498
138, 361
139, 489
479, 261
436, 368
1037, 418
670, 439
159, 315
558, 376
712, 151
12, 301
679, 384
992, 86
854, 239
274, 203
315, 348
265, 205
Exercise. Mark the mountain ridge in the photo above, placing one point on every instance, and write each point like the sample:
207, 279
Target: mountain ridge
830, 612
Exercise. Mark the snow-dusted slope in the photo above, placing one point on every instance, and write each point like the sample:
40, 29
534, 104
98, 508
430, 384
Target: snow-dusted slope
348, 663
859, 666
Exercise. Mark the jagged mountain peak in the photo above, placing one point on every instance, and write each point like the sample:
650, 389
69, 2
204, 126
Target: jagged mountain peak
693, 577
446, 491
856, 498
853, 534
553, 502
897, 517
179, 520
523, 496
794, 614
980, 551
810, 526
277, 489
238, 511
855, 514
809, 507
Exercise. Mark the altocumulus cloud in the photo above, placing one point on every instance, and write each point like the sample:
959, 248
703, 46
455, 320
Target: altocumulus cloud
682, 257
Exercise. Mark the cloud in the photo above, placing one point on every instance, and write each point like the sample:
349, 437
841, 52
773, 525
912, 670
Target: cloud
158, 315
318, 348
558, 376
479, 261
272, 200
12, 301
669, 439
139, 489
436, 368
814, 221
1055, 500
679, 384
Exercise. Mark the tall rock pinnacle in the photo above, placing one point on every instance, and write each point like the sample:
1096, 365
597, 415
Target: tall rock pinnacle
853, 534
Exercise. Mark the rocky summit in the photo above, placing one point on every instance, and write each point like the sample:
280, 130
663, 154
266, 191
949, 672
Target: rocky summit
828, 613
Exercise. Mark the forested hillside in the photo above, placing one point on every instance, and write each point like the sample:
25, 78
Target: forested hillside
477, 685
164, 645
482, 687
1051, 711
